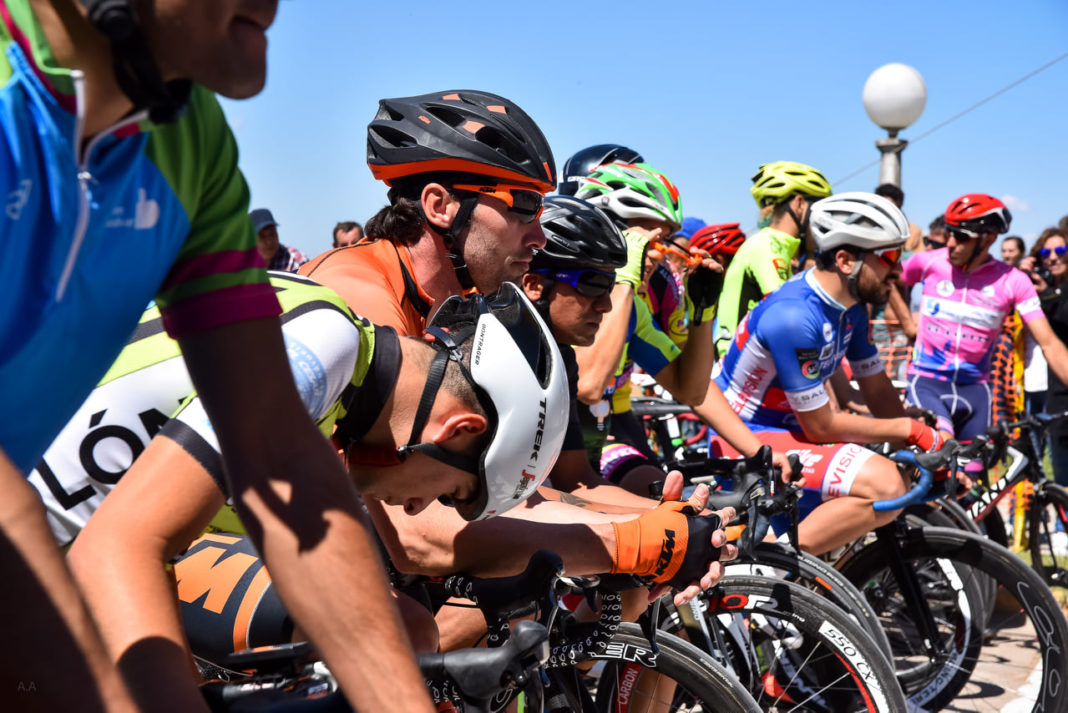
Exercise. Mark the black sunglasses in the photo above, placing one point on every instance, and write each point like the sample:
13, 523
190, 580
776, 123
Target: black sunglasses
932, 243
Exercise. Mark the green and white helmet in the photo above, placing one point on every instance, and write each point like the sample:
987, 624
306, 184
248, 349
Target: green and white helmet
632, 190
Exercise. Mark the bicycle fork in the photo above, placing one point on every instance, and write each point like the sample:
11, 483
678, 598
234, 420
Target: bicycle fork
910, 589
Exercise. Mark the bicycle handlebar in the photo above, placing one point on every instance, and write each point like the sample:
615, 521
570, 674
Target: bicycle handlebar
927, 464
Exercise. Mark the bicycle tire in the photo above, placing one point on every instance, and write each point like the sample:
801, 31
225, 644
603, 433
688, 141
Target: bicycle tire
703, 681
1038, 674
821, 577
1046, 517
795, 650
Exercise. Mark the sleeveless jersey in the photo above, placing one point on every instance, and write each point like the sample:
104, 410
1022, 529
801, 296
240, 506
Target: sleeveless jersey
91, 232
961, 314
787, 347
330, 353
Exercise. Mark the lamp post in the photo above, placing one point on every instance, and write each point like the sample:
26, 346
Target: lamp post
894, 97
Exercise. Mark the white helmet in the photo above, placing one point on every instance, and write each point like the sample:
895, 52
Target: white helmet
857, 219
520, 380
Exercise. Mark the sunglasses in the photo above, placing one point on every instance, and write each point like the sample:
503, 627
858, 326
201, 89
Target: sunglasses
524, 202
670, 248
961, 235
888, 257
588, 283
933, 244
1059, 251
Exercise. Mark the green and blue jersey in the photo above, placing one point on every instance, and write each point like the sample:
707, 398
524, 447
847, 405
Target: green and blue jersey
93, 230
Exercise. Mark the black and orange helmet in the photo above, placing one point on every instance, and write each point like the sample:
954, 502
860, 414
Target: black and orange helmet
460, 131
722, 239
978, 213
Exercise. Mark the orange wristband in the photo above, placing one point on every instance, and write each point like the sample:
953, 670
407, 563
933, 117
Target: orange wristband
654, 544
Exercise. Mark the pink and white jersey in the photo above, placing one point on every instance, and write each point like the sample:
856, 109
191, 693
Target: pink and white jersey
962, 312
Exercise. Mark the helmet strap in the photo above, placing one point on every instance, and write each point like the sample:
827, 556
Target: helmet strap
447, 348
135, 68
451, 236
802, 230
854, 276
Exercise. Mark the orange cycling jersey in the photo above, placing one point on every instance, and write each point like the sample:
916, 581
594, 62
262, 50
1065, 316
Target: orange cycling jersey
376, 280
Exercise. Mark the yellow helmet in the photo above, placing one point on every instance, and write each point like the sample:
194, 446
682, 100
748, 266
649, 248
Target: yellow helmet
775, 182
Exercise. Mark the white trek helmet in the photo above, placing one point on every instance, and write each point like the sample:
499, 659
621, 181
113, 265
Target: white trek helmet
519, 378
861, 220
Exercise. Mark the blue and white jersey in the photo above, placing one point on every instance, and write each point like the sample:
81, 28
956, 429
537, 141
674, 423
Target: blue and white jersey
787, 347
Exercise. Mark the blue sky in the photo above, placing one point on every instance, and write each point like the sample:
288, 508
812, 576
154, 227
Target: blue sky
707, 91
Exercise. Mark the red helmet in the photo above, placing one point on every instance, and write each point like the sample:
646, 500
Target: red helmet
978, 213
724, 239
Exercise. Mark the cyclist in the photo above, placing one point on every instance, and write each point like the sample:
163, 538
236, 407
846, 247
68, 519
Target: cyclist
477, 411
647, 203
469, 190
967, 294
570, 282
121, 181
665, 290
720, 241
790, 344
582, 163
467, 172
783, 190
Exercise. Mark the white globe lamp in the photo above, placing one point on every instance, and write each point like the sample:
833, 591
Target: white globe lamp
894, 98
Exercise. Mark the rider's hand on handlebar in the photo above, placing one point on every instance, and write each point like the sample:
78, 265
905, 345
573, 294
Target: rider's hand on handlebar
673, 545
782, 463
926, 438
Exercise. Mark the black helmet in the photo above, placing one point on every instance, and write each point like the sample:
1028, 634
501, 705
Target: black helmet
578, 235
583, 162
462, 132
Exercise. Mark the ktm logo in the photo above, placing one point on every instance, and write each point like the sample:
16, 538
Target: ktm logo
667, 549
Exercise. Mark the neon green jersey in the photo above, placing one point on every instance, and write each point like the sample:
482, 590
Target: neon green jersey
759, 268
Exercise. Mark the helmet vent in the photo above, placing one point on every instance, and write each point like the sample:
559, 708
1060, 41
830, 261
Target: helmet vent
390, 136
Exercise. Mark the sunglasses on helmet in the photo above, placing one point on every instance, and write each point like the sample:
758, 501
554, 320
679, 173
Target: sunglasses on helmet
1059, 251
525, 203
588, 283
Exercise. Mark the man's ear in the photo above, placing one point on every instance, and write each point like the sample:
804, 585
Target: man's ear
533, 286
439, 206
845, 260
459, 424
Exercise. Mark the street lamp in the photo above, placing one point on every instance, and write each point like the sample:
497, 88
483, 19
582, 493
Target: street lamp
894, 97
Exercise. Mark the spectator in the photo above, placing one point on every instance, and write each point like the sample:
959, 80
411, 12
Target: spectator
347, 233
276, 255
1055, 305
897, 196
1012, 250
896, 310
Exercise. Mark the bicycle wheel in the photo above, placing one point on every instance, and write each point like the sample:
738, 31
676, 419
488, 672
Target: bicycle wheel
1047, 533
678, 678
821, 577
1023, 666
794, 650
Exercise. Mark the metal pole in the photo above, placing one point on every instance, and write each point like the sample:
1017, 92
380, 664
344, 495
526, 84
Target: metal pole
890, 163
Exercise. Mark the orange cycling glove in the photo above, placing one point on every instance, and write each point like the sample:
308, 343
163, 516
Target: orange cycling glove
926, 437
670, 544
